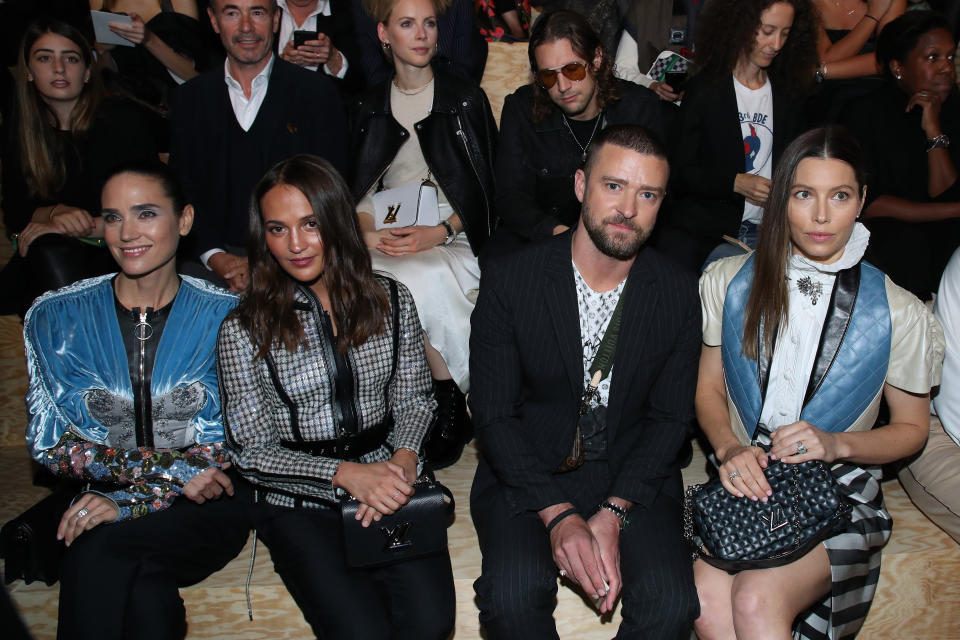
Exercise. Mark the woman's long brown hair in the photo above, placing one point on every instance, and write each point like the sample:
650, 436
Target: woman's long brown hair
41, 151
267, 310
768, 301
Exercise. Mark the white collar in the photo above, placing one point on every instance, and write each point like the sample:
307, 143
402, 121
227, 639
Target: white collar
263, 76
322, 8
852, 254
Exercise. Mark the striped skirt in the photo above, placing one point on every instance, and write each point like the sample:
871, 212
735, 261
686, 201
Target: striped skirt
854, 560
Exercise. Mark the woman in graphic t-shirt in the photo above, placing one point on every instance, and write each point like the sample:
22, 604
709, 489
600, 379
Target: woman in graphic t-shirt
736, 116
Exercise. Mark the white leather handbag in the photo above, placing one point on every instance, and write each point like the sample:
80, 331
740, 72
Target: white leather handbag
413, 204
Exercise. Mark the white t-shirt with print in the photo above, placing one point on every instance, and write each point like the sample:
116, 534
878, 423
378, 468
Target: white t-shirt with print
755, 114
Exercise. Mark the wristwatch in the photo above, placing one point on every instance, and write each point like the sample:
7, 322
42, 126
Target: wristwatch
451, 234
940, 142
616, 510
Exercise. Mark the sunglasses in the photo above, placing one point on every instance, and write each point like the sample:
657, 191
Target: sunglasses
575, 71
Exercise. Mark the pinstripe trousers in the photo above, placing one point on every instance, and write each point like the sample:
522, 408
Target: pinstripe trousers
516, 591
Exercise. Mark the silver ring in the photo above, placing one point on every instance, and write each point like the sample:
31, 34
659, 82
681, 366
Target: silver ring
735, 474
801, 449
563, 573
82, 513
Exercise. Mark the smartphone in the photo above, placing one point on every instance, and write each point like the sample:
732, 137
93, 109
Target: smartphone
677, 80
299, 37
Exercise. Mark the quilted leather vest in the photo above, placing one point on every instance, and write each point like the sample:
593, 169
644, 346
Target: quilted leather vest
852, 357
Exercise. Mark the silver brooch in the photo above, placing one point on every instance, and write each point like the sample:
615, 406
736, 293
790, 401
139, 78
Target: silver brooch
809, 288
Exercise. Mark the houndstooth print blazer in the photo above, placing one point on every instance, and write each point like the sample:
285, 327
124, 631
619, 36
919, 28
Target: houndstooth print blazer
259, 405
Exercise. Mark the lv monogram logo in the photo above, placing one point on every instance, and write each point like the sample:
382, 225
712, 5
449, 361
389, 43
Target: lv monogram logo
775, 519
392, 212
395, 538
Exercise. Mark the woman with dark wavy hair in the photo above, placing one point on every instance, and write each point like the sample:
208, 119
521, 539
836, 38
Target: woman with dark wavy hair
322, 357
755, 58
804, 338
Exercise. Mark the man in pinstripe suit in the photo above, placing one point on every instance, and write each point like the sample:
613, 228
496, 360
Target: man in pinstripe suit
613, 525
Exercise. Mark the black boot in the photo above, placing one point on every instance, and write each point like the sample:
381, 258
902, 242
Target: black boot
451, 430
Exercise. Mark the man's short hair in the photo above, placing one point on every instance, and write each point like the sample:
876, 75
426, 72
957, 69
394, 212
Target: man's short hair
628, 136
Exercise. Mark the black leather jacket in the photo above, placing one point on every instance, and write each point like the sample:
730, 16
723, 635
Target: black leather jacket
458, 139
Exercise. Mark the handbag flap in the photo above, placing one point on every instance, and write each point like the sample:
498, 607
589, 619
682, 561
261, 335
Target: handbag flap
412, 204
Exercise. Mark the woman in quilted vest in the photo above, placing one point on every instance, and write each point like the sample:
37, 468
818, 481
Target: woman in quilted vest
804, 337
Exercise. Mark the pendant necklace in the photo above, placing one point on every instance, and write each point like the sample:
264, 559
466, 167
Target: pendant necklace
583, 148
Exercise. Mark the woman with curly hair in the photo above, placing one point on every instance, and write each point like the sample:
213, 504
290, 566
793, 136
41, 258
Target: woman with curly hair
754, 58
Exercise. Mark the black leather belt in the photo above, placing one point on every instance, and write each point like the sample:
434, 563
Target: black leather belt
345, 447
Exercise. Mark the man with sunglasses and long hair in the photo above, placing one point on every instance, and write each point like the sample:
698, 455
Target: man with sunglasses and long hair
547, 126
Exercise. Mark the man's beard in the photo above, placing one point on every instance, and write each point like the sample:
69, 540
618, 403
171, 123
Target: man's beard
613, 244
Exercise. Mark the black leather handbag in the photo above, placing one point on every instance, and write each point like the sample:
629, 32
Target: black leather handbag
734, 533
417, 529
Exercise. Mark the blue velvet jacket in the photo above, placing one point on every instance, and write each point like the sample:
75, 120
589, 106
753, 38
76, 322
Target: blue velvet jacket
74, 348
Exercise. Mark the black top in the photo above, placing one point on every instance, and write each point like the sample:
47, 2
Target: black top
140, 75
119, 134
895, 146
140, 343
913, 254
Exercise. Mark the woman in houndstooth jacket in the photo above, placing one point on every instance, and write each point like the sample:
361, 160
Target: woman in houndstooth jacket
313, 368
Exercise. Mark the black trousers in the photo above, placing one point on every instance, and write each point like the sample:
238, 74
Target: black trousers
517, 589
410, 600
122, 580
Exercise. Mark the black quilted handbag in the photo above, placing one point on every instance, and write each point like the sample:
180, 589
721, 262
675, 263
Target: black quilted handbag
417, 529
734, 533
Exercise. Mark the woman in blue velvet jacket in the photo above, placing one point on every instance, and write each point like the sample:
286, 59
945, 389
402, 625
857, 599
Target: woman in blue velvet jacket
123, 396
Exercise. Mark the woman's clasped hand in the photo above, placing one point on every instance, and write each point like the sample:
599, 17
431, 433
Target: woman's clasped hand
381, 487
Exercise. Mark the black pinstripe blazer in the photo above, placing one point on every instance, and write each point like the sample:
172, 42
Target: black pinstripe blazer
526, 374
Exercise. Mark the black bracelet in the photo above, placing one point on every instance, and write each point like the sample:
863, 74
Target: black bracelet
867, 15
557, 519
